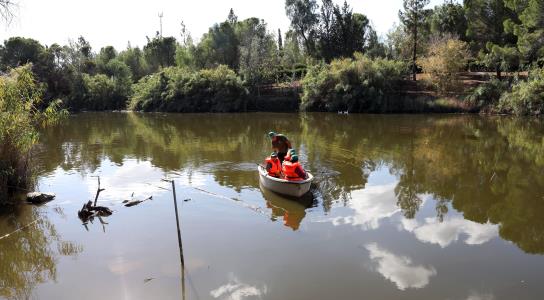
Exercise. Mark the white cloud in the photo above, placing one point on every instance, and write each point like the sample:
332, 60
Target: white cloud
446, 232
235, 290
399, 269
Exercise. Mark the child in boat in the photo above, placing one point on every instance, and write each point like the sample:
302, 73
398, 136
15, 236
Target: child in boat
293, 170
290, 153
273, 165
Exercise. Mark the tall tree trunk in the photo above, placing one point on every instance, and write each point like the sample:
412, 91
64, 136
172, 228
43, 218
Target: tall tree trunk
414, 54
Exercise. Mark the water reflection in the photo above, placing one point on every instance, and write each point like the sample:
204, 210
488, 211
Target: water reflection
418, 191
369, 206
292, 211
488, 169
29, 256
444, 233
400, 269
236, 290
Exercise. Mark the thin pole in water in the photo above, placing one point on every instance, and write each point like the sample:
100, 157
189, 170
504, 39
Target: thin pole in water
177, 223
179, 239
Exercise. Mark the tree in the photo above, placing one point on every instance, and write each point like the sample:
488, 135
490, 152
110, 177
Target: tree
341, 32
292, 52
103, 58
134, 59
449, 18
18, 51
220, 46
280, 42
79, 56
413, 18
485, 19
160, 52
304, 20
374, 47
6, 10
528, 28
326, 34
258, 52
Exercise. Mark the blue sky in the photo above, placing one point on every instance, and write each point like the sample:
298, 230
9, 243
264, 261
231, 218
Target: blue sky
116, 22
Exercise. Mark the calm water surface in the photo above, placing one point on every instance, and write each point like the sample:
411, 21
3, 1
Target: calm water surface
403, 207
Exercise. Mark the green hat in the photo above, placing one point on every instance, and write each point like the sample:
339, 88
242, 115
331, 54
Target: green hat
274, 154
272, 134
294, 158
292, 151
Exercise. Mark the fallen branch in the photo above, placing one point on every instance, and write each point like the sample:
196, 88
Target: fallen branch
89, 211
136, 202
98, 191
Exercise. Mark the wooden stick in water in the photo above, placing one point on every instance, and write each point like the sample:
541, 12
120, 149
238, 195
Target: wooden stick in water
179, 238
97, 191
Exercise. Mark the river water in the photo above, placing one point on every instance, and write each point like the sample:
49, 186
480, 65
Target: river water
403, 207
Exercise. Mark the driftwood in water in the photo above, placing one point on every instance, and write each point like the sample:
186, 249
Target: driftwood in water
39, 198
136, 202
97, 191
90, 210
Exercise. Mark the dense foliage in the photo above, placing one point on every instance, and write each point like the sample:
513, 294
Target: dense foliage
20, 97
356, 85
446, 58
486, 95
526, 97
494, 36
180, 90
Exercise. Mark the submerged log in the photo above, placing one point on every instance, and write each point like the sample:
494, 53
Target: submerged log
39, 198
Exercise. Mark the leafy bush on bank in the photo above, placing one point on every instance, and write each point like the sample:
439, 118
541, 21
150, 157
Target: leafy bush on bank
445, 60
526, 97
358, 85
487, 94
20, 97
181, 90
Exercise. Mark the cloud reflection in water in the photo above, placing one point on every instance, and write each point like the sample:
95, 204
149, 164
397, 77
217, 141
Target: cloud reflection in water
448, 231
236, 290
399, 269
369, 206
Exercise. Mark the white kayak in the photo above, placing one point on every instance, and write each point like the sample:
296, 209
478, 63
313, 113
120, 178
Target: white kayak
283, 186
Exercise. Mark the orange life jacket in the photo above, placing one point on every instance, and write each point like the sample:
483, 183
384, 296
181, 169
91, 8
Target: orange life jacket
275, 170
289, 170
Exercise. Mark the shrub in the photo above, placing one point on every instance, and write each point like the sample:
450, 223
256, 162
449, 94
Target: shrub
181, 90
526, 97
488, 93
20, 97
446, 58
357, 85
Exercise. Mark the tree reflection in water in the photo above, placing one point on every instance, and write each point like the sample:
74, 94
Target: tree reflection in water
29, 256
488, 168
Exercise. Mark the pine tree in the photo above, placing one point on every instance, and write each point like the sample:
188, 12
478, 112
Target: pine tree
413, 18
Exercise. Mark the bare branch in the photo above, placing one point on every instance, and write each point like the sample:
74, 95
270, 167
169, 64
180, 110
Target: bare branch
7, 8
